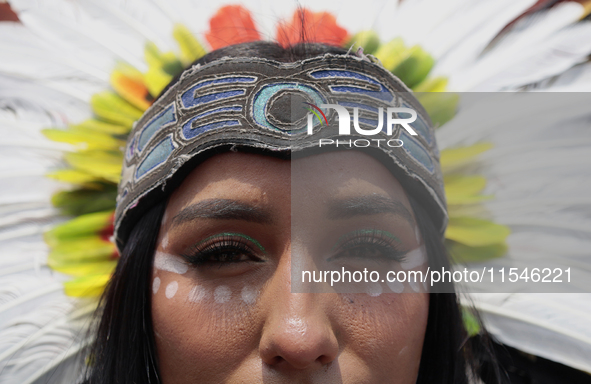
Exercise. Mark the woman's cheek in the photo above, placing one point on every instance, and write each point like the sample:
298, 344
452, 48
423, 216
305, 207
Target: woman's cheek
201, 331
385, 334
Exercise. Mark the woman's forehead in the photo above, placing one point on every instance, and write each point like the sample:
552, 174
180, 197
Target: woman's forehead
260, 178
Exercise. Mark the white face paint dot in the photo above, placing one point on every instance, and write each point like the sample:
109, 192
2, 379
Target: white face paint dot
395, 286
374, 289
170, 263
171, 289
222, 294
249, 295
197, 294
165, 242
414, 258
416, 286
156, 285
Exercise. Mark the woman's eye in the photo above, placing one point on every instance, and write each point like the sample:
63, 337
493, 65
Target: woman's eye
369, 251
224, 249
372, 245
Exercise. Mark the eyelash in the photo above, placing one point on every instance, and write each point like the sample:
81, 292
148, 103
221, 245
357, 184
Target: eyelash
221, 250
373, 239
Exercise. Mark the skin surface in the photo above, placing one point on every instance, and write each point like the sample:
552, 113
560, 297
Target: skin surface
234, 319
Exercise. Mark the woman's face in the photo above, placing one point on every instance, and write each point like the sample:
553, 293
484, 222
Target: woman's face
223, 308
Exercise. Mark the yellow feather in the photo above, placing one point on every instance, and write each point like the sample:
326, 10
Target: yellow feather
456, 157
82, 249
441, 106
392, 53
368, 40
101, 127
432, 84
84, 139
476, 232
87, 286
414, 67
86, 269
461, 189
467, 209
152, 55
156, 80
191, 49
83, 225
72, 176
462, 253
98, 163
128, 82
113, 108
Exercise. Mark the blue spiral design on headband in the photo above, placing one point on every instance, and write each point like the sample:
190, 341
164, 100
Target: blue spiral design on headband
158, 155
416, 151
167, 116
383, 94
420, 125
265, 94
189, 99
190, 132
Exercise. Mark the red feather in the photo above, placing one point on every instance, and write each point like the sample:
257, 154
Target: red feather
313, 27
232, 24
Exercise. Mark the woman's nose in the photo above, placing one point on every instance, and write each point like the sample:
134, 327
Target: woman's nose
297, 333
298, 337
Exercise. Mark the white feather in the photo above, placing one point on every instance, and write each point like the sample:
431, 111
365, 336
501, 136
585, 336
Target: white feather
566, 48
576, 79
458, 54
469, 20
65, 50
525, 36
532, 322
69, 26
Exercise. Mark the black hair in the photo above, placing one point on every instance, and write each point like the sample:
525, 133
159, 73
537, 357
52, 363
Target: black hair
124, 347
449, 355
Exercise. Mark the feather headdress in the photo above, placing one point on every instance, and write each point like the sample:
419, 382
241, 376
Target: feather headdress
80, 73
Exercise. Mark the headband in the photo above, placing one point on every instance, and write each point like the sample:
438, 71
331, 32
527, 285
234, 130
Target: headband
250, 103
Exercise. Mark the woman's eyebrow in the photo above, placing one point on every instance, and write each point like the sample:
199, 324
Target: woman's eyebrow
222, 209
367, 205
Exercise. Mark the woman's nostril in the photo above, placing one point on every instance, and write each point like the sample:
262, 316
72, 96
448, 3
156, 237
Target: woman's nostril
298, 345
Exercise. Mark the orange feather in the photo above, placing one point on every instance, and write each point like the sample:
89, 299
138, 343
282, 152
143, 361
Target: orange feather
312, 27
231, 24
131, 89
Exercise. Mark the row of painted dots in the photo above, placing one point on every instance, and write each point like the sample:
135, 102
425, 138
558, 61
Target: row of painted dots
221, 294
